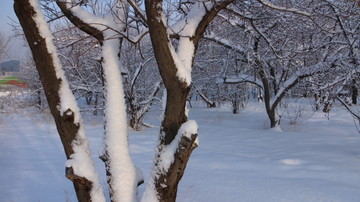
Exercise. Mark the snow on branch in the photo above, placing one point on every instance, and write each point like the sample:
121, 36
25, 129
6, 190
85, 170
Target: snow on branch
296, 78
343, 80
186, 139
207, 100
280, 8
138, 11
167, 152
186, 29
99, 22
354, 114
152, 95
137, 38
243, 78
224, 42
137, 72
187, 25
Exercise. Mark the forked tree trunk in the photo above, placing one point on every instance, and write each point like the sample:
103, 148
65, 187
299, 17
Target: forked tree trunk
174, 118
66, 127
166, 182
115, 130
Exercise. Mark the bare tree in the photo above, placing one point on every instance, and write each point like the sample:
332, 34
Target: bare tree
174, 48
4, 42
277, 54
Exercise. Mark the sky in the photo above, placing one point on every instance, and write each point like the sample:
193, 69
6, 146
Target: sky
16, 49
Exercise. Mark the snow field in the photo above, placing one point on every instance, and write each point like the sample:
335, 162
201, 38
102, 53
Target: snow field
238, 158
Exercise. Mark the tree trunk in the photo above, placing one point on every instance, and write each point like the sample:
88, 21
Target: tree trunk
166, 182
66, 127
39, 99
209, 103
96, 104
354, 92
235, 104
274, 119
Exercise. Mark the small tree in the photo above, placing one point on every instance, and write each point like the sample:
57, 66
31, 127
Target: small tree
3, 45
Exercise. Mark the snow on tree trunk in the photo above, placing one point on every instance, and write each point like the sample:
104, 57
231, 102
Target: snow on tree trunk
170, 162
121, 172
120, 169
176, 141
79, 167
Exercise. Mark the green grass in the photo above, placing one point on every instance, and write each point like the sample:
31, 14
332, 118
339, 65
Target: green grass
6, 79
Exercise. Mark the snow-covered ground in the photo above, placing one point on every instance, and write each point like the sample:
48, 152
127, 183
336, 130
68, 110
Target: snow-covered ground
238, 158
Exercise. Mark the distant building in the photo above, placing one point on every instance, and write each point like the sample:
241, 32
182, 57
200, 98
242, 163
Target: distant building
10, 67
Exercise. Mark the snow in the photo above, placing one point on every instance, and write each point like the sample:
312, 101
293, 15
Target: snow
212, 36
189, 128
150, 193
5, 93
240, 78
185, 28
67, 99
182, 64
293, 10
124, 177
304, 72
239, 158
186, 51
103, 21
80, 161
123, 172
165, 157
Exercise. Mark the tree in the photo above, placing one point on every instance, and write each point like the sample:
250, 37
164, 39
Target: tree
142, 81
80, 168
122, 180
121, 172
80, 55
277, 55
3, 45
178, 135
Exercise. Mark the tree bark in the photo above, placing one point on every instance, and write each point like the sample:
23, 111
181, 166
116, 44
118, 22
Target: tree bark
66, 127
354, 92
167, 184
177, 92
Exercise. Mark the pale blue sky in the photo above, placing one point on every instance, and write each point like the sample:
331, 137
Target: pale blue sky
6, 11
16, 48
